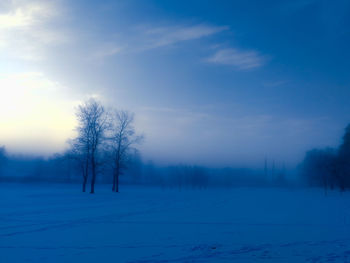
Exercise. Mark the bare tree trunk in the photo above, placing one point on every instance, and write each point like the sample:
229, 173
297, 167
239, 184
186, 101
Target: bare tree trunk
114, 181
93, 164
84, 183
117, 184
85, 175
116, 178
93, 183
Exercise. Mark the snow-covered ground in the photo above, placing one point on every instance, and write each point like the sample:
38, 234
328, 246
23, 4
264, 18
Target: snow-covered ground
58, 223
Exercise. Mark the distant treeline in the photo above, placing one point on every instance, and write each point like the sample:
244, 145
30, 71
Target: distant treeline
60, 168
104, 152
329, 167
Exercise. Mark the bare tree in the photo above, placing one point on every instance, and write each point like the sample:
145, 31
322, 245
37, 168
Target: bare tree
93, 123
122, 141
79, 153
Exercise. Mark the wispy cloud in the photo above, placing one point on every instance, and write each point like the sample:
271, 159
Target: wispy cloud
145, 38
105, 51
273, 84
291, 7
155, 37
25, 30
239, 59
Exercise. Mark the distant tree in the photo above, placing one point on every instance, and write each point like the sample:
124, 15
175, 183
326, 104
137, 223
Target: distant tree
39, 167
122, 141
177, 175
60, 167
281, 178
318, 167
343, 171
92, 126
3, 158
135, 166
199, 177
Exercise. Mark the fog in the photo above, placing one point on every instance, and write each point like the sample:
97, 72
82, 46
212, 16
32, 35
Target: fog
174, 131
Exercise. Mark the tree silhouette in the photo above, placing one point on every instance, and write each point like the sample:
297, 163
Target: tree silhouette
92, 125
121, 141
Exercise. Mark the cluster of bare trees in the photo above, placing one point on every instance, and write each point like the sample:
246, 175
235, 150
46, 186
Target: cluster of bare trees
329, 167
105, 138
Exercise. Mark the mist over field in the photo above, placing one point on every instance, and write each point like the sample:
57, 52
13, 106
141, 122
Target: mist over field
174, 131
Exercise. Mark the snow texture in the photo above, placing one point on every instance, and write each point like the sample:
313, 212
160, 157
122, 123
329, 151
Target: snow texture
58, 223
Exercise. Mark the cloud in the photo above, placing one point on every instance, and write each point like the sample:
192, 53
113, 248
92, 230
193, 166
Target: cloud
239, 59
277, 83
144, 38
24, 14
105, 51
156, 37
25, 29
294, 6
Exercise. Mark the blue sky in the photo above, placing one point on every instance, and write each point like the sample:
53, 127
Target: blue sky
210, 82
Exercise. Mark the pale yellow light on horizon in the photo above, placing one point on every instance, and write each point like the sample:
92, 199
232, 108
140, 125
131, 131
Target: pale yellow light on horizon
35, 116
